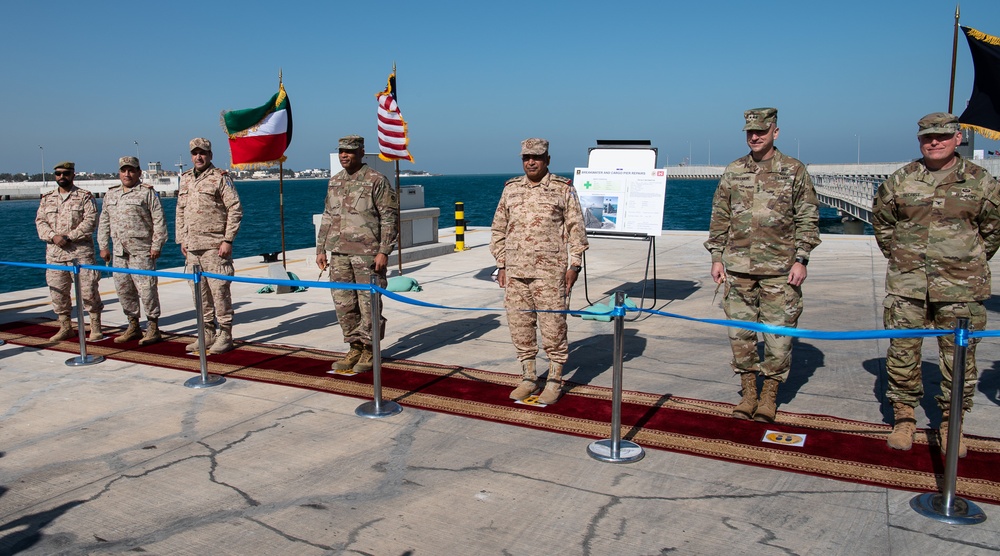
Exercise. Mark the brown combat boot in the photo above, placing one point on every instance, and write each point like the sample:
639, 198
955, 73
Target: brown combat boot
152, 332
223, 341
131, 333
553, 384
748, 405
903, 426
529, 381
65, 329
366, 362
209, 340
96, 333
347, 362
963, 450
768, 404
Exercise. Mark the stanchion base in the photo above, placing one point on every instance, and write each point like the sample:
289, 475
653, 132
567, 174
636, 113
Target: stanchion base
2, 342
387, 409
931, 504
628, 452
210, 380
84, 360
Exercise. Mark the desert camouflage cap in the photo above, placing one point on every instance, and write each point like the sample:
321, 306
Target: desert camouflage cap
200, 143
938, 122
351, 143
128, 161
534, 146
760, 119
66, 165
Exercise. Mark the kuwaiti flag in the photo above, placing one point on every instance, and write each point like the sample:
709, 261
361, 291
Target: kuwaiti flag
259, 136
392, 139
983, 112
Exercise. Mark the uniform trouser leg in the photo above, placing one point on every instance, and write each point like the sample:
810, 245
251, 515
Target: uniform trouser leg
550, 295
944, 316
216, 299
90, 284
521, 317
354, 307
768, 300
903, 358
61, 290
132, 288
128, 295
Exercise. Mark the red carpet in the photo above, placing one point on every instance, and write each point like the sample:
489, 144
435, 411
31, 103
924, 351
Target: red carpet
836, 448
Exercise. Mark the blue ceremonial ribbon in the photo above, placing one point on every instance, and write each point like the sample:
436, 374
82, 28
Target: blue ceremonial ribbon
64, 267
291, 283
154, 273
403, 299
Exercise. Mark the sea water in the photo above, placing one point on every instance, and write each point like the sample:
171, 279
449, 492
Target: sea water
688, 206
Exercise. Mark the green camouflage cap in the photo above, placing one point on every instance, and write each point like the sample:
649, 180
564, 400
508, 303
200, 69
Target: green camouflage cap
760, 119
938, 122
67, 165
534, 146
351, 143
200, 143
128, 161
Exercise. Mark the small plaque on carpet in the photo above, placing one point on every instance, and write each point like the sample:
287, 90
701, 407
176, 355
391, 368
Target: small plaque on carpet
784, 438
531, 400
346, 372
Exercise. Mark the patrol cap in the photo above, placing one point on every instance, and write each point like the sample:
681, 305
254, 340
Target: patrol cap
128, 161
938, 122
67, 165
760, 119
351, 143
200, 143
534, 146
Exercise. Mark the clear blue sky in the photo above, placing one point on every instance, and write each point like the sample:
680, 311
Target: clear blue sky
87, 79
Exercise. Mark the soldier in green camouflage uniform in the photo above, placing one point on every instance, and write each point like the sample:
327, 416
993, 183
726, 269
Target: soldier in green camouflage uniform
764, 226
936, 220
537, 220
132, 219
66, 220
359, 229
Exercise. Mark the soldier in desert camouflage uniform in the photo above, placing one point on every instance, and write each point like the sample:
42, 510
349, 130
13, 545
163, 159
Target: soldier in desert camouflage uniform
764, 225
936, 220
66, 220
132, 217
207, 220
359, 229
537, 220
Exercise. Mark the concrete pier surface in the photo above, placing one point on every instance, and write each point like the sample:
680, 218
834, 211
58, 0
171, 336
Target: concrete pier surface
121, 458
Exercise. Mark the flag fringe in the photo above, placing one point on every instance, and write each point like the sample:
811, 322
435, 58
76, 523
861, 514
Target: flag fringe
985, 132
259, 165
981, 36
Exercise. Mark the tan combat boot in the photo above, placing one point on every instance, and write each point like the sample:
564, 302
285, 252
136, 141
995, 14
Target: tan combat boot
553, 384
748, 405
768, 404
349, 359
96, 333
366, 362
223, 341
65, 329
152, 332
529, 381
209, 339
903, 426
963, 450
131, 333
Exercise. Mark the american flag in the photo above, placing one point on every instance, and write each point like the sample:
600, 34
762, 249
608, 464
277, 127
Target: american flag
392, 138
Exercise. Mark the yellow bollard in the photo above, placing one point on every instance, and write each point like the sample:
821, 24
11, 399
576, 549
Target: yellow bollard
459, 226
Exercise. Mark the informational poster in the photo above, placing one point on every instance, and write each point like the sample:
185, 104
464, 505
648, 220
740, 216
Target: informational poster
622, 200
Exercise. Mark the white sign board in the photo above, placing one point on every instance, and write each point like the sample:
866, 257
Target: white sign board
622, 200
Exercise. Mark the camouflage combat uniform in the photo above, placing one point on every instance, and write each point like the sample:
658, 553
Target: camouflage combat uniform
133, 220
74, 216
532, 227
938, 235
764, 215
359, 222
208, 213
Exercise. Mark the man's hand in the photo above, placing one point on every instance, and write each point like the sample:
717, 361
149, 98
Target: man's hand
718, 273
571, 276
106, 254
381, 262
184, 251
61, 240
502, 277
225, 250
797, 274
321, 261
154, 254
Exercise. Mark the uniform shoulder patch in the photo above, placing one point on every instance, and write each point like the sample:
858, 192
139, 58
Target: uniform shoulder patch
512, 181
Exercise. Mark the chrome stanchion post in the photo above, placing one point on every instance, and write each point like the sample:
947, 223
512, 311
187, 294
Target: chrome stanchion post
616, 450
946, 506
83, 359
378, 407
204, 380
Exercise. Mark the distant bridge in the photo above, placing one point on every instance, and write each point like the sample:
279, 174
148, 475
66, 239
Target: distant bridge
849, 188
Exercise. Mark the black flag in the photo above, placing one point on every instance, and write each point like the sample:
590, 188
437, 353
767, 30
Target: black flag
983, 113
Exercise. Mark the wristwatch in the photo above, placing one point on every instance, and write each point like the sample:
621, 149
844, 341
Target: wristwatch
802, 260
576, 268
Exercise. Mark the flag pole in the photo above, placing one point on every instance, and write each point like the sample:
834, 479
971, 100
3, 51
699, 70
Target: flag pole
954, 56
399, 238
281, 199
